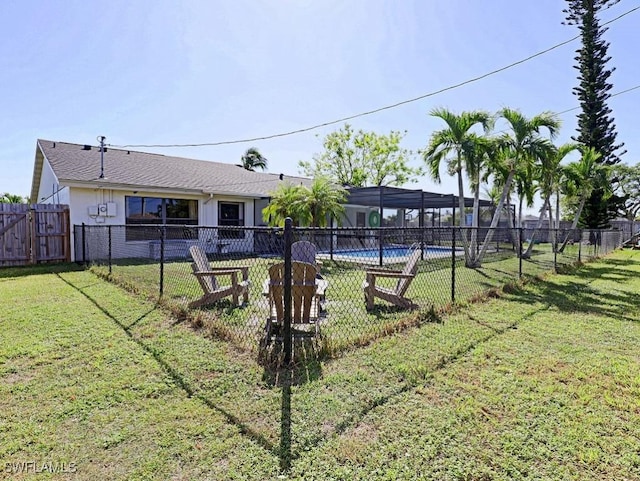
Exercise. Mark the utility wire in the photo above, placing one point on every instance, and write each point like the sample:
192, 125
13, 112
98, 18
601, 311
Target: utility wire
504, 131
611, 96
380, 109
296, 178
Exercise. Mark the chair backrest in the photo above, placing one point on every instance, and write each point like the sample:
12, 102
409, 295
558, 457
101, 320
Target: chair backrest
201, 264
410, 268
304, 251
303, 290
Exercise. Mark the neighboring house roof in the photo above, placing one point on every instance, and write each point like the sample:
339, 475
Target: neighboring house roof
74, 165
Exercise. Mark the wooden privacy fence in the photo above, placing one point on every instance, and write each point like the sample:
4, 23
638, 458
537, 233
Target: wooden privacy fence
32, 234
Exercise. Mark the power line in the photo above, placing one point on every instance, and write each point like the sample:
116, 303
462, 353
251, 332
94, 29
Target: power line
380, 109
611, 96
504, 131
295, 178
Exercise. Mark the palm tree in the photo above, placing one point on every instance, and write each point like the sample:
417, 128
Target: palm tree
521, 148
458, 146
493, 195
525, 189
478, 162
549, 176
498, 169
307, 206
8, 198
253, 159
323, 200
286, 201
582, 177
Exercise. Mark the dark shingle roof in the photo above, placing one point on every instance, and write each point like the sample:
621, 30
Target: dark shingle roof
71, 163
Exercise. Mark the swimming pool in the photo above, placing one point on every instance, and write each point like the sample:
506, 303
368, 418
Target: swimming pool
390, 254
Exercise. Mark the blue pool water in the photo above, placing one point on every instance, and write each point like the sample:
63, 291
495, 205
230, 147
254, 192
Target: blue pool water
387, 252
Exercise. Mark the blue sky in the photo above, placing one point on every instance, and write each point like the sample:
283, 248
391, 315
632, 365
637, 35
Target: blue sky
167, 72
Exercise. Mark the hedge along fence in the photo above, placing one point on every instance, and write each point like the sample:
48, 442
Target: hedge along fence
155, 261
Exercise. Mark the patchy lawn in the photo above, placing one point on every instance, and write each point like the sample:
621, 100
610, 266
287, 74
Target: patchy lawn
345, 321
541, 383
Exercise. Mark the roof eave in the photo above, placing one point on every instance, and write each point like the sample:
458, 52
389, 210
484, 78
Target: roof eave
37, 172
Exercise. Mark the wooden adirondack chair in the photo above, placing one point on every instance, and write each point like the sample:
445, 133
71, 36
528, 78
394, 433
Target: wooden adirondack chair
396, 295
305, 251
208, 278
306, 292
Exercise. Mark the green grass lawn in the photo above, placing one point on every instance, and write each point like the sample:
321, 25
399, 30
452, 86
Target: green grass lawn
345, 322
541, 383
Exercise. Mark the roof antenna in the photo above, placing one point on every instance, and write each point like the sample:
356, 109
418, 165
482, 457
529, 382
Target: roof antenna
101, 139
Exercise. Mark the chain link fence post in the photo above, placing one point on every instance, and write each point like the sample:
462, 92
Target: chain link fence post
520, 231
453, 264
380, 244
110, 250
581, 231
84, 244
288, 238
331, 234
163, 235
554, 246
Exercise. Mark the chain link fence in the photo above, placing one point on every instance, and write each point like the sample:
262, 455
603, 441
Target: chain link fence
349, 285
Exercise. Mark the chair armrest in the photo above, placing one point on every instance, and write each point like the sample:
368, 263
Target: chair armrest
395, 275
237, 268
382, 271
218, 272
229, 268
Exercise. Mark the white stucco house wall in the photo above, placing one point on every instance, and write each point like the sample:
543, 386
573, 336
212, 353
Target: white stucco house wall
127, 188
124, 188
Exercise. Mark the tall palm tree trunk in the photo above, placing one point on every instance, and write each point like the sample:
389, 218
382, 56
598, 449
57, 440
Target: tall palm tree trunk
496, 218
551, 226
519, 227
555, 238
510, 223
574, 224
468, 259
475, 224
543, 213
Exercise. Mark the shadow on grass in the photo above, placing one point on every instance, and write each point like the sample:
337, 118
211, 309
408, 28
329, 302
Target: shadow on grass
306, 366
578, 295
23, 271
176, 376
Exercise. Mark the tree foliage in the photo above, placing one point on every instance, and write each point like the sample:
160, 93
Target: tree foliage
8, 198
307, 206
323, 200
286, 201
252, 159
627, 186
580, 178
519, 149
362, 159
461, 150
596, 127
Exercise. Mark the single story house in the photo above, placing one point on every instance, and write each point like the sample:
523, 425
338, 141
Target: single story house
125, 187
